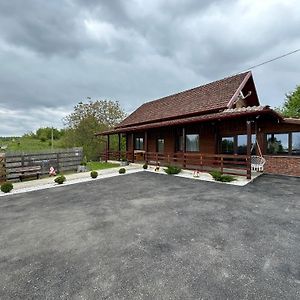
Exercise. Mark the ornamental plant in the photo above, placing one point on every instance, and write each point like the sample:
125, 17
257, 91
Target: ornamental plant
60, 179
122, 171
171, 170
94, 174
6, 187
145, 166
218, 176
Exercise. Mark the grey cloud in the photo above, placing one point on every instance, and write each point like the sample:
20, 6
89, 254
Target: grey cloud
46, 27
56, 53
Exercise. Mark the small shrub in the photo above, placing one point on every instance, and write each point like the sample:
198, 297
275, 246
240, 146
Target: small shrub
218, 176
6, 187
227, 178
145, 166
122, 171
172, 170
94, 174
60, 179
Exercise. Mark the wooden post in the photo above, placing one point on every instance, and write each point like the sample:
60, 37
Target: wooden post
119, 146
132, 145
217, 137
201, 162
249, 142
146, 146
22, 160
57, 159
222, 164
183, 146
107, 149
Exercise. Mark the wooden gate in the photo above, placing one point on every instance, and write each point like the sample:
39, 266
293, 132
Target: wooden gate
2, 167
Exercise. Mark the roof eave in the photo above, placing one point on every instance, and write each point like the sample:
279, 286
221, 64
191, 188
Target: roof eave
181, 121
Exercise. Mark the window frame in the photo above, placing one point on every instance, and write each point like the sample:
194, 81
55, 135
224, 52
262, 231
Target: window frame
234, 138
195, 134
139, 138
290, 143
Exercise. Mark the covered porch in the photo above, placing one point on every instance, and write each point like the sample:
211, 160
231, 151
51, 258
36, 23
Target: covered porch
194, 146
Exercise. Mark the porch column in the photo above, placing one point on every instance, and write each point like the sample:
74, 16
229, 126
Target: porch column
146, 146
217, 137
249, 142
119, 146
107, 148
183, 146
132, 145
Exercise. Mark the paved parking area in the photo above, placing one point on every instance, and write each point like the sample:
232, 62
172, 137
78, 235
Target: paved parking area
151, 236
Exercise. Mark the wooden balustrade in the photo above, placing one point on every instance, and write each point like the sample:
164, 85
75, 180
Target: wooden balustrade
226, 163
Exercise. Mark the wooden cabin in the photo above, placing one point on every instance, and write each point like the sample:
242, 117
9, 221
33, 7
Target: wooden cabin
219, 125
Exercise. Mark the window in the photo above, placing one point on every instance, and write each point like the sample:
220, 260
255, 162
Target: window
160, 145
242, 144
139, 143
296, 143
278, 143
227, 145
192, 142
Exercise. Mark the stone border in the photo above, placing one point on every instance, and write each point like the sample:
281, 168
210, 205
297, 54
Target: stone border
47, 183
204, 176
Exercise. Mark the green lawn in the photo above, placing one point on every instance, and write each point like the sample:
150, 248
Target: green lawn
27, 144
96, 165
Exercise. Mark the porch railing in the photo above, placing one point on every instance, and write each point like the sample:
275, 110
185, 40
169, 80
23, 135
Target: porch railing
227, 164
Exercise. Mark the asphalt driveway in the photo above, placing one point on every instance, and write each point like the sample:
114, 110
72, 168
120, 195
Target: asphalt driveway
150, 236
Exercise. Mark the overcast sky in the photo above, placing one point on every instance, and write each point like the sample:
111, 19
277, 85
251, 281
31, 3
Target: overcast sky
54, 54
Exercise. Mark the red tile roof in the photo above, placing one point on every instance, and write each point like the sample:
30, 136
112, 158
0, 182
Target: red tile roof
226, 114
210, 97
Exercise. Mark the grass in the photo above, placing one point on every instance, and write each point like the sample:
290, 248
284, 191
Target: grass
96, 165
27, 144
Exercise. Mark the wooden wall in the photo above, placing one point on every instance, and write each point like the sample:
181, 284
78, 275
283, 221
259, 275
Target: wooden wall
211, 133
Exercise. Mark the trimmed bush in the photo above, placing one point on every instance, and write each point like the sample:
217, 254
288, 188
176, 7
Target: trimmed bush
60, 179
145, 166
6, 187
227, 178
122, 171
172, 170
218, 176
94, 174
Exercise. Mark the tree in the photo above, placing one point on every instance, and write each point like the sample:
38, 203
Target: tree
86, 120
45, 133
291, 106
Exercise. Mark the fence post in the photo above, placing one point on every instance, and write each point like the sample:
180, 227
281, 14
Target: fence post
22, 160
57, 159
248, 165
201, 162
222, 164
2, 168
